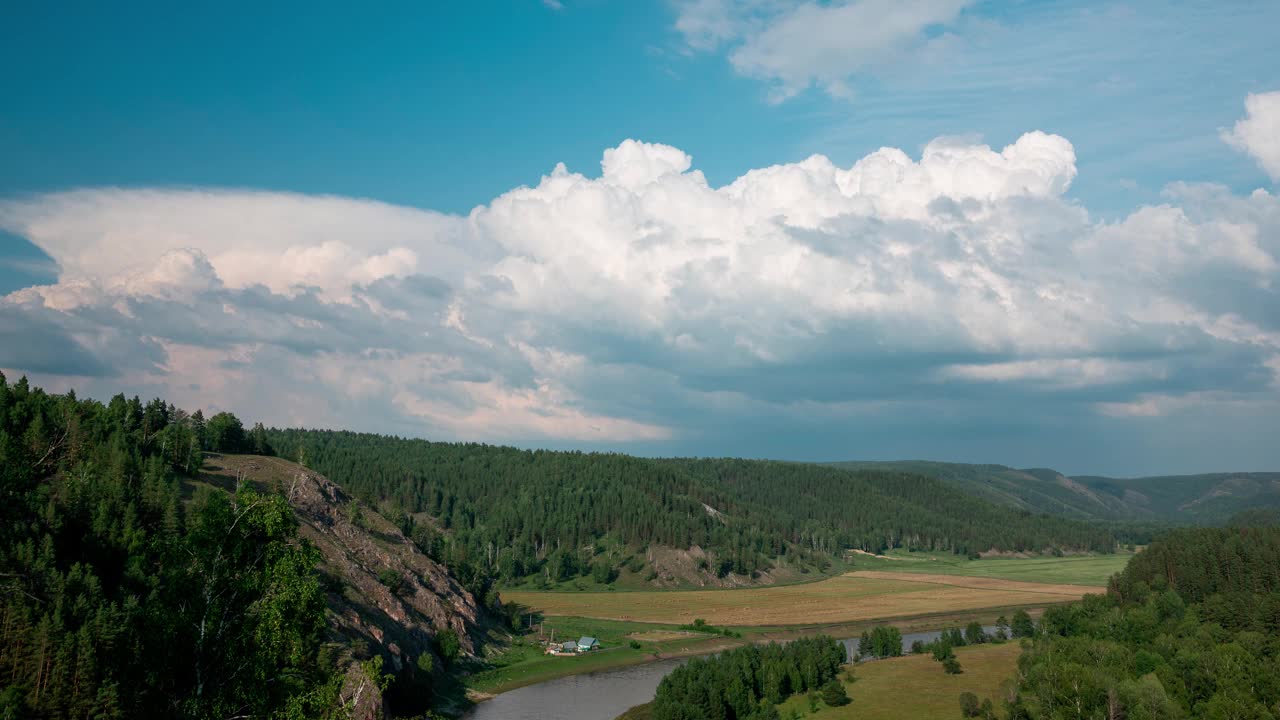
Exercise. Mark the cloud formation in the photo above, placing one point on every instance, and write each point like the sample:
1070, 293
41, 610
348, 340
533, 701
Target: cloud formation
797, 45
645, 306
1258, 133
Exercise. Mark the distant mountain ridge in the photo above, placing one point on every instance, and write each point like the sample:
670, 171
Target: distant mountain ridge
1208, 498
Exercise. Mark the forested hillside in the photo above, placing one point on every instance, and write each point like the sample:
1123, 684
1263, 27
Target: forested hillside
517, 513
1190, 629
144, 573
120, 599
1186, 499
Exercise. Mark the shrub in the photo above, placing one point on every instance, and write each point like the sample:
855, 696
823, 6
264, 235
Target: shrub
448, 644
603, 573
969, 706
392, 579
834, 695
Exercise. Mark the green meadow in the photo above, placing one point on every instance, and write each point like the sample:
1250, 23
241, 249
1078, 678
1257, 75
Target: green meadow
1071, 569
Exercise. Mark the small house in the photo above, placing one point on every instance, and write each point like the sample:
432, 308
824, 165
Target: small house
587, 644
569, 646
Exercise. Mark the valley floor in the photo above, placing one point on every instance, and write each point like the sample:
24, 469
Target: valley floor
848, 598
524, 663
913, 591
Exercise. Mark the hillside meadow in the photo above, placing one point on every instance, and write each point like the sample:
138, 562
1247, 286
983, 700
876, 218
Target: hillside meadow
1070, 570
878, 691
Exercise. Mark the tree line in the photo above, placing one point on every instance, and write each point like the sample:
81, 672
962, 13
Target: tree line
747, 683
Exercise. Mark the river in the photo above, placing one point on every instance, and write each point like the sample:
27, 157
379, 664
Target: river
606, 694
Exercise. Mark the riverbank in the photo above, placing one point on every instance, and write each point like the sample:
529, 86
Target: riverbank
524, 664
916, 592
877, 687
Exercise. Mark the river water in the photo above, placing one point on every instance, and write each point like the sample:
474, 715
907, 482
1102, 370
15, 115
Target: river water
607, 694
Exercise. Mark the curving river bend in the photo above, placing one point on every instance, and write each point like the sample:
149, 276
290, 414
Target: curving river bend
606, 694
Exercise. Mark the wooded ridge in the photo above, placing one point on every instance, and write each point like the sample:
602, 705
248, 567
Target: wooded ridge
521, 513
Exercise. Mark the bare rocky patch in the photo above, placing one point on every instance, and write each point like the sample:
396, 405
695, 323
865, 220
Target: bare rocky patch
367, 617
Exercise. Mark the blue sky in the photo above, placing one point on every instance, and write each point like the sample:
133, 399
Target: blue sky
447, 108
171, 123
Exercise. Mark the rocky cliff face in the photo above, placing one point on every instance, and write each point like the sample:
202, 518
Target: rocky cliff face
364, 556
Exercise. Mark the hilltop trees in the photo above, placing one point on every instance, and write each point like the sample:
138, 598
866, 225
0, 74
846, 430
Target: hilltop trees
225, 434
258, 444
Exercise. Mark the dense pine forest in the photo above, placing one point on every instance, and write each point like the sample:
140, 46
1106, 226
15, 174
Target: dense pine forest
1190, 629
120, 597
747, 683
520, 513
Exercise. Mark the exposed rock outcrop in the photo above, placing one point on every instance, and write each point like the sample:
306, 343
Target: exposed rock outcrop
386, 598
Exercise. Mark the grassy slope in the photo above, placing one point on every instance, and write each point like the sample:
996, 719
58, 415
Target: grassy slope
916, 686
1075, 569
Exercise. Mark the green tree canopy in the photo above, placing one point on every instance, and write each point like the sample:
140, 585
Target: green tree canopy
226, 434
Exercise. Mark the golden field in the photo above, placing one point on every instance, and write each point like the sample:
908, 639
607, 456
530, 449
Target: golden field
846, 598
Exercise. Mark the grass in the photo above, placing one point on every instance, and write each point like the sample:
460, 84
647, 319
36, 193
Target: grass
916, 686
978, 583
639, 712
847, 598
524, 662
1075, 570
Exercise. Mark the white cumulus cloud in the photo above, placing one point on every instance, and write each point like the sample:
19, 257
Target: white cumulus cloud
1258, 133
644, 305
